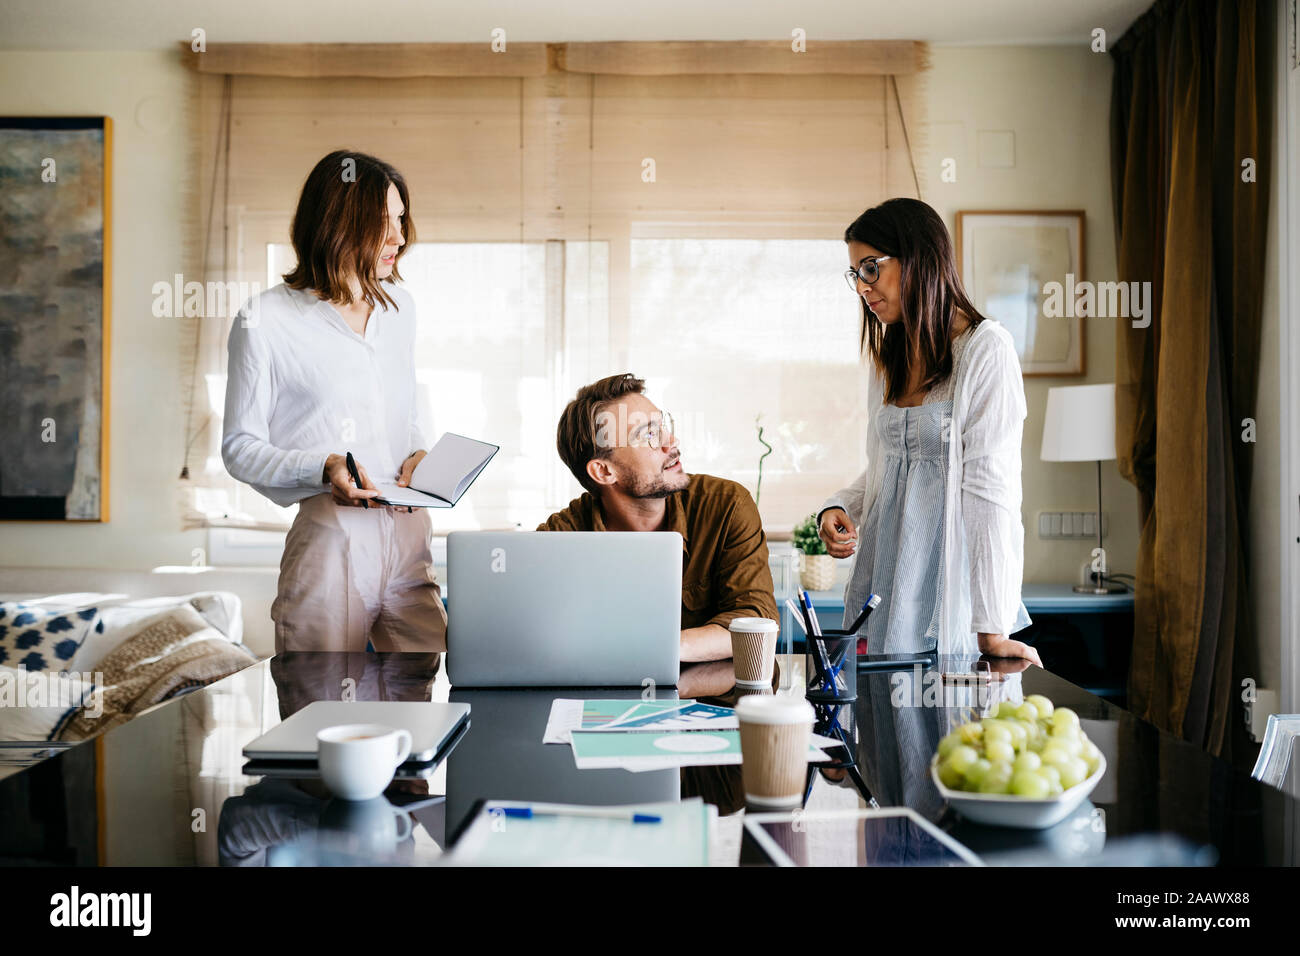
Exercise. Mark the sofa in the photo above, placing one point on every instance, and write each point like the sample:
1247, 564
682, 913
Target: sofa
75, 664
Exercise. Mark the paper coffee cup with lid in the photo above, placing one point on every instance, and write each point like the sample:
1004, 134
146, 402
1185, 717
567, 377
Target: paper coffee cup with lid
774, 740
753, 649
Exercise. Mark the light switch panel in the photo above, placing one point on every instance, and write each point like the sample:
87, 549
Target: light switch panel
1069, 524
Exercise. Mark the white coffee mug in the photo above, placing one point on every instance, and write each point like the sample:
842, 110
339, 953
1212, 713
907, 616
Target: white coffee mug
357, 761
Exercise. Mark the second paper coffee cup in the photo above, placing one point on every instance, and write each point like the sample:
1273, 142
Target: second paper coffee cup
774, 734
753, 649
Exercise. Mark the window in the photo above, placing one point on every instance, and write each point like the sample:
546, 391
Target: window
733, 334
578, 219
730, 334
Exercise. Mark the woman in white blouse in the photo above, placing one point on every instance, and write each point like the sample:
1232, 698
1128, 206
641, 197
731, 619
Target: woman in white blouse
934, 520
320, 366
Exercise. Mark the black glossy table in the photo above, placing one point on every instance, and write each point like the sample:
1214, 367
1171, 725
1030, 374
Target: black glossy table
168, 788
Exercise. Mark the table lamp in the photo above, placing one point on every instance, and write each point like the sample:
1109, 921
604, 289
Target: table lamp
1080, 426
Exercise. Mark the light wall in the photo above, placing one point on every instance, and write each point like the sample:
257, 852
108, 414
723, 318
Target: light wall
1263, 658
1271, 649
145, 95
1054, 99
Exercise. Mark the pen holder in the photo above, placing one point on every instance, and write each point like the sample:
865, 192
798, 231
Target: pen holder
832, 668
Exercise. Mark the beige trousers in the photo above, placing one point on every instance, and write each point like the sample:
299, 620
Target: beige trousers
352, 575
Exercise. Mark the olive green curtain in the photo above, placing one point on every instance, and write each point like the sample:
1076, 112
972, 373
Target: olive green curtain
1191, 103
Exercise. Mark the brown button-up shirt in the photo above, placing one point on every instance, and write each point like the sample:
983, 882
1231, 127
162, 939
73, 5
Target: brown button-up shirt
724, 550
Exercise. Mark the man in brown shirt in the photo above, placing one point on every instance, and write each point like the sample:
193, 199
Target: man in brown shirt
622, 449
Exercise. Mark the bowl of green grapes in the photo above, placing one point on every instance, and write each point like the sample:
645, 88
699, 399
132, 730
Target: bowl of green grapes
1028, 766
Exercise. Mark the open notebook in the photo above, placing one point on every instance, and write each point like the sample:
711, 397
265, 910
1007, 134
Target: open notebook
442, 476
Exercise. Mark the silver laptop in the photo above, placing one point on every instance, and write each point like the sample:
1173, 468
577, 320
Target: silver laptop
563, 608
431, 725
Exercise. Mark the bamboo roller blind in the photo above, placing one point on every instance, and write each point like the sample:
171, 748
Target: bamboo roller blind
554, 143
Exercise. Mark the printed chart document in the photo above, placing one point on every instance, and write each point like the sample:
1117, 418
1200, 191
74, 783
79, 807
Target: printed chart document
641, 735
640, 751
633, 715
442, 476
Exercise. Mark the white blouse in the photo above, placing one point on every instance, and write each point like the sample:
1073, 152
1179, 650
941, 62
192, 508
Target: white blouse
983, 534
301, 385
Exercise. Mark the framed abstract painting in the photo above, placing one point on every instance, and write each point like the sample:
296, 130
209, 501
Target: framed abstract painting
1022, 268
55, 256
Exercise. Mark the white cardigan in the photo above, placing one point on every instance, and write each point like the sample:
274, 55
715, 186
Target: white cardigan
983, 535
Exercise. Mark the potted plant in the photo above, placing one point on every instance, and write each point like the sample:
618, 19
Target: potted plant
817, 568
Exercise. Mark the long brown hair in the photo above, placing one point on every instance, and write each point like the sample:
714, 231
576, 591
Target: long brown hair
931, 294
340, 226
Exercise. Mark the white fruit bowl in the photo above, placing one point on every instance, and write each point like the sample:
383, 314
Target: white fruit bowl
1006, 810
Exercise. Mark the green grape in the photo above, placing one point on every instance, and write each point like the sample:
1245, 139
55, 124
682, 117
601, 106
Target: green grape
1029, 783
1034, 735
1057, 789
1071, 745
962, 757
1043, 705
1052, 774
1065, 732
1027, 761
1000, 750
1007, 708
996, 731
949, 776
970, 733
947, 744
1064, 717
1054, 753
1027, 711
1019, 735
1074, 771
975, 774
997, 779
1091, 756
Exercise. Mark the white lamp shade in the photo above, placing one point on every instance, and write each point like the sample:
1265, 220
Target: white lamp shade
1080, 424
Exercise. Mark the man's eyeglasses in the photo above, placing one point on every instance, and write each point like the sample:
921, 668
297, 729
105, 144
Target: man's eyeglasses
868, 271
653, 434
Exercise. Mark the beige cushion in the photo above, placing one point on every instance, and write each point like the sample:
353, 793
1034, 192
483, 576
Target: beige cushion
173, 651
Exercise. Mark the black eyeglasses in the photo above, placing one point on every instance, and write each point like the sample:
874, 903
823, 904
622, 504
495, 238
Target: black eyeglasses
868, 271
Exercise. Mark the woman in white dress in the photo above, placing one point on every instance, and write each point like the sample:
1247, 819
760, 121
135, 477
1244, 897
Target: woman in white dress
934, 521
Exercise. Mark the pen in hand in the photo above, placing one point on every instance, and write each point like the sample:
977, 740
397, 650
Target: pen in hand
356, 477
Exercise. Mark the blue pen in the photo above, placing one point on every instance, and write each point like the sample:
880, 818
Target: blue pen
527, 813
820, 657
872, 603
806, 612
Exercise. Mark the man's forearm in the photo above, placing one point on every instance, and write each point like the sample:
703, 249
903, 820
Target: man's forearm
712, 642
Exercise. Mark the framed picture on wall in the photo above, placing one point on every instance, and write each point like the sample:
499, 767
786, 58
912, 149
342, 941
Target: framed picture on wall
55, 189
1024, 269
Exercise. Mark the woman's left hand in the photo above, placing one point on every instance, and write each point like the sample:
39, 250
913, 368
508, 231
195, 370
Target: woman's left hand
408, 467
999, 645
407, 470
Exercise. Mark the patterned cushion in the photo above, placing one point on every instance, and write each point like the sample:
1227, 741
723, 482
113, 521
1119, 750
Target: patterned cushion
175, 652
40, 706
44, 639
